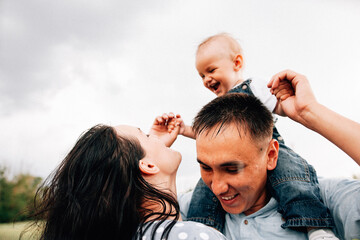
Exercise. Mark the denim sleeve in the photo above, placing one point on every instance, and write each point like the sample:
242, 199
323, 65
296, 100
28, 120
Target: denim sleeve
342, 196
294, 185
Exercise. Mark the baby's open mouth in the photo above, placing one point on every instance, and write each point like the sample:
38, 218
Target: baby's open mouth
215, 86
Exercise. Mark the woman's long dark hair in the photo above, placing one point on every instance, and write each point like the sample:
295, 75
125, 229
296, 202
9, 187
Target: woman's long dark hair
98, 192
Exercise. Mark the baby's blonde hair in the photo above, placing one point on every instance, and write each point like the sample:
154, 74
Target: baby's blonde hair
232, 43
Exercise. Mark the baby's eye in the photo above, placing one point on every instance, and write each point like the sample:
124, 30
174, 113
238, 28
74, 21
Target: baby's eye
148, 135
212, 70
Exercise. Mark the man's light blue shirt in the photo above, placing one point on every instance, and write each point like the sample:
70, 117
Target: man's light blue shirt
341, 196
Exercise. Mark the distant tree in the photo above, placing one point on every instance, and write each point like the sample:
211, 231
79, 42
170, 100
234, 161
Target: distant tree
17, 196
6, 211
24, 190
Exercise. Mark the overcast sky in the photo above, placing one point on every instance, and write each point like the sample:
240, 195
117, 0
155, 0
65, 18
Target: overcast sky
68, 65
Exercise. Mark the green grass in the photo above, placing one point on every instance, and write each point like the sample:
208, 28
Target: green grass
11, 231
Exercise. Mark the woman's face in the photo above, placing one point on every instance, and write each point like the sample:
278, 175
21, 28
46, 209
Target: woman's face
166, 159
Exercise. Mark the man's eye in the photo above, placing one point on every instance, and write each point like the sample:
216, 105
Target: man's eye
205, 168
232, 170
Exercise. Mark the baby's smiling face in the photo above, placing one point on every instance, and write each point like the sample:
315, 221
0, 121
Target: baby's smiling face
216, 68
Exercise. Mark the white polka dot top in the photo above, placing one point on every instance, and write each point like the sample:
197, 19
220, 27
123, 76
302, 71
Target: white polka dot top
186, 230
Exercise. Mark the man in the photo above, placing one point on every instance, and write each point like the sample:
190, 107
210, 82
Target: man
235, 151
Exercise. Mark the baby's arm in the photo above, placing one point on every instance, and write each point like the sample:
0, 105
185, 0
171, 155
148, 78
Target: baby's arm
185, 130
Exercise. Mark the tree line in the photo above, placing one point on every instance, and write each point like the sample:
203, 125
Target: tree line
17, 196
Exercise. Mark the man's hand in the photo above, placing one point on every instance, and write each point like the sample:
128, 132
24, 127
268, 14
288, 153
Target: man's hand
293, 105
283, 91
166, 128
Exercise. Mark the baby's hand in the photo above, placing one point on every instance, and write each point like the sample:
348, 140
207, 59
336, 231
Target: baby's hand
185, 130
166, 128
180, 122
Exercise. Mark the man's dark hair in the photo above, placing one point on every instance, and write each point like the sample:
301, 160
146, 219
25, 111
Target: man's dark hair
245, 111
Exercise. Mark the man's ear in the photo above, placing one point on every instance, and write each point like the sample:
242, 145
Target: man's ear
272, 154
147, 167
238, 62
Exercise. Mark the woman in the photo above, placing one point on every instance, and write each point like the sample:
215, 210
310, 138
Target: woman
117, 183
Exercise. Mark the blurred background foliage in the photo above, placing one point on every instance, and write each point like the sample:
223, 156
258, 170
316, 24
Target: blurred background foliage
17, 196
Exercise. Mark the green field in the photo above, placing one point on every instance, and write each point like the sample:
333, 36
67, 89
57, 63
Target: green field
11, 231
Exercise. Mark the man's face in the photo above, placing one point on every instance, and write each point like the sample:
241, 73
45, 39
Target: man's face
235, 168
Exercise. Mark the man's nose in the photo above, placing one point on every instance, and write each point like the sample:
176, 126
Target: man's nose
219, 185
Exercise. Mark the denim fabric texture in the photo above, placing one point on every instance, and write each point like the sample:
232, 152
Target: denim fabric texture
293, 183
206, 208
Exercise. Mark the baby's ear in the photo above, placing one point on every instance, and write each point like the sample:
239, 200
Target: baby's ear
147, 167
238, 62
